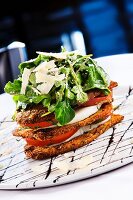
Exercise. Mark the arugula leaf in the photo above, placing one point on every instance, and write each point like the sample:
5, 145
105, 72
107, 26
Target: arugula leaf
40, 58
29, 92
51, 108
69, 94
96, 79
32, 79
80, 95
60, 92
64, 112
82, 74
32, 63
21, 101
103, 75
39, 98
13, 88
27, 64
21, 105
46, 102
21, 98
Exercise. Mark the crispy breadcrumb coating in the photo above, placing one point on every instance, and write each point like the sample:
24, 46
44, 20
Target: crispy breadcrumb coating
45, 133
73, 144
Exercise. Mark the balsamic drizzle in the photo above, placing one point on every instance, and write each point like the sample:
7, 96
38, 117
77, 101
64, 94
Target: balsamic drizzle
34, 178
109, 143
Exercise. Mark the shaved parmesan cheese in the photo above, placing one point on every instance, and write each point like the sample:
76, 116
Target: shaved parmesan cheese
45, 66
47, 73
45, 87
62, 55
59, 77
44, 78
25, 79
40, 77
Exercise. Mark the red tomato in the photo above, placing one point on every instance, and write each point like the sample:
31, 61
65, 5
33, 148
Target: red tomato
53, 140
96, 100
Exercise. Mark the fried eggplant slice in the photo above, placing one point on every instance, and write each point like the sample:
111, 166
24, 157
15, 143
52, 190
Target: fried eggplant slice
79, 141
42, 134
36, 113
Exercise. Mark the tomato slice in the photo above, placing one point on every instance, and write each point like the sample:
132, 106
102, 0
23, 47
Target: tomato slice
96, 100
53, 140
39, 124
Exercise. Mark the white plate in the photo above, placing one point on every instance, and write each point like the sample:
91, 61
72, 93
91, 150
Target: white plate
111, 150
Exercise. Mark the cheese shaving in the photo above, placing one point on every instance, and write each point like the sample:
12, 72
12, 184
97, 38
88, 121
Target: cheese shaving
47, 73
25, 80
62, 55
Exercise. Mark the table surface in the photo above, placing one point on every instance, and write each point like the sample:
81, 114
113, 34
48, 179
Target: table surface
116, 184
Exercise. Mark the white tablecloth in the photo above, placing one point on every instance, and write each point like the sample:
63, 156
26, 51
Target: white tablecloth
117, 184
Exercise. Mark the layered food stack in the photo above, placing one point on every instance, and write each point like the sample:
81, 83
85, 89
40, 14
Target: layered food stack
63, 102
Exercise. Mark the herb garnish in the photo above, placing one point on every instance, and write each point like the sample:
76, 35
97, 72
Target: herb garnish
70, 74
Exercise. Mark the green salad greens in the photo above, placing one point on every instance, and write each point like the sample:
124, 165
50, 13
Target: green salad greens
59, 81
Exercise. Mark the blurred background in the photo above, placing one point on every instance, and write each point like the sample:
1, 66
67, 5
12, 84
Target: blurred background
100, 27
